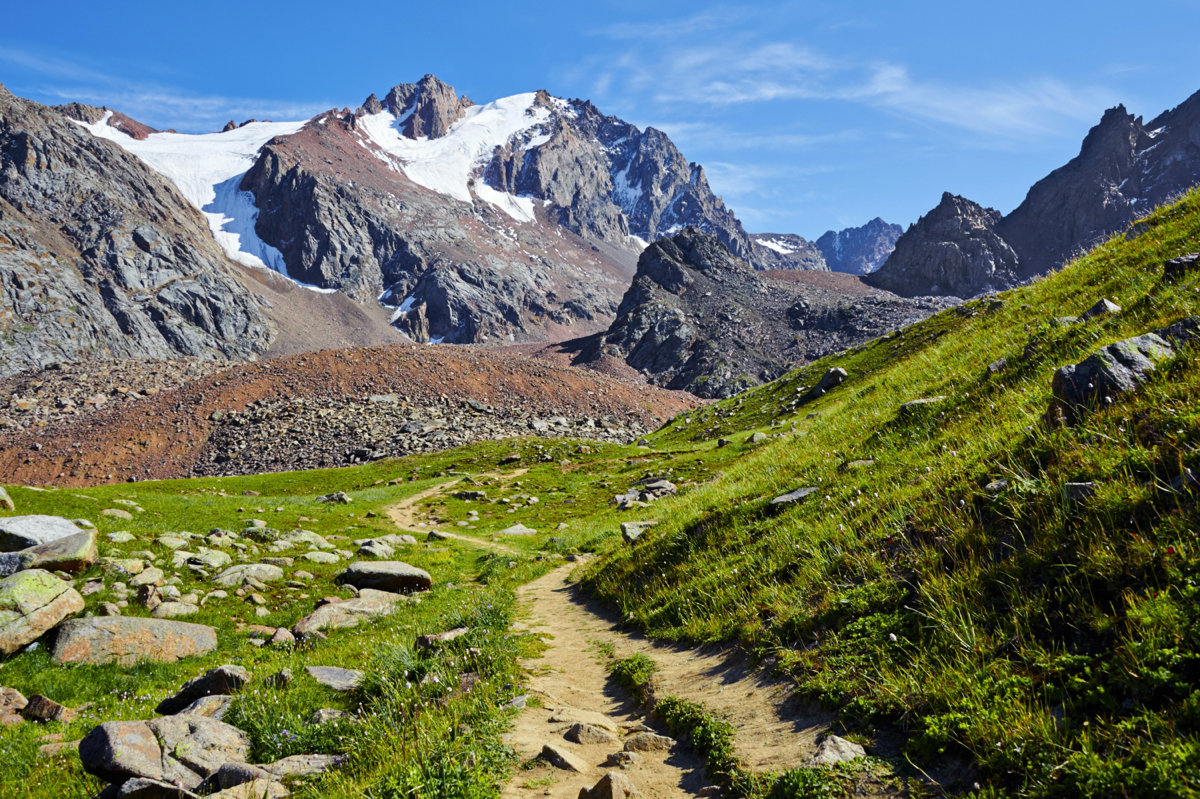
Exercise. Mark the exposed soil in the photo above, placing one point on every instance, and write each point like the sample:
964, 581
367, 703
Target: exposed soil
773, 733
164, 435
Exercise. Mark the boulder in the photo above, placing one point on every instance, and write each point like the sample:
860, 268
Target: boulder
386, 575
41, 708
181, 749
613, 785
13, 562
236, 575
1103, 307
559, 757
632, 531
222, 680
127, 639
214, 707
834, 750
22, 532
32, 602
174, 610
793, 497
1116, 369
335, 678
517, 529
351, 613
1175, 267
648, 742
12, 702
833, 378
580, 733
6, 502
74, 553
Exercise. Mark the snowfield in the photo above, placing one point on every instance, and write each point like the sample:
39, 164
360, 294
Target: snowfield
207, 169
447, 164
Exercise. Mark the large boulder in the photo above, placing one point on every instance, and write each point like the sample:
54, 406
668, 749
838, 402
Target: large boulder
174, 749
74, 553
32, 602
128, 639
351, 613
1116, 369
386, 575
222, 680
22, 532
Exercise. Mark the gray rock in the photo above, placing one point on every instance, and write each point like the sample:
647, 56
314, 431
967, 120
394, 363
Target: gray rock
517, 529
351, 613
225, 679
248, 572
794, 497
834, 750
859, 250
1176, 267
1103, 307
613, 785
13, 562
32, 602
6, 502
388, 575
304, 765
175, 610
23, 532
144, 788
632, 531
580, 733
562, 758
251, 782
336, 498
1114, 370
126, 640
74, 553
184, 749
648, 742
214, 707
335, 678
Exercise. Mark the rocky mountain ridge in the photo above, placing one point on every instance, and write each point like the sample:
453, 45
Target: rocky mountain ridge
698, 318
100, 257
1124, 169
859, 250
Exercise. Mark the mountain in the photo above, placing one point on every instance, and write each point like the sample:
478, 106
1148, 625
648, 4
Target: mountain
859, 250
1124, 169
520, 219
786, 251
102, 258
699, 318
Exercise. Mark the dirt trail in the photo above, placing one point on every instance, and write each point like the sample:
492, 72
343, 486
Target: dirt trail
404, 513
772, 733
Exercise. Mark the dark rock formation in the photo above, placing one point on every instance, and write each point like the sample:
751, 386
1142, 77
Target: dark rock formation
1124, 169
101, 258
700, 319
953, 250
859, 250
786, 251
430, 105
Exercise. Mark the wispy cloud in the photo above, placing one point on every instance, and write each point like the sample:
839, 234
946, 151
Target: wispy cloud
722, 66
60, 79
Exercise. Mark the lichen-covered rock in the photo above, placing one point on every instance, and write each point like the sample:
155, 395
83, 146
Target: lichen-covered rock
184, 749
1114, 370
386, 575
351, 613
127, 640
32, 602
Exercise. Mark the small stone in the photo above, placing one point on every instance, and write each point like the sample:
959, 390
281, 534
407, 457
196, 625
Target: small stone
280, 679
559, 757
328, 714
225, 679
793, 497
648, 742
580, 733
622, 759
335, 678
517, 529
834, 750
282, 639
613, 785
40, 708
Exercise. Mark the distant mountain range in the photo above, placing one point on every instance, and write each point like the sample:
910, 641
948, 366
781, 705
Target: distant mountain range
1124, 169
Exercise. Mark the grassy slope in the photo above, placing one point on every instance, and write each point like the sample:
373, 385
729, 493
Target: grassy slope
1049, 644
1053, 643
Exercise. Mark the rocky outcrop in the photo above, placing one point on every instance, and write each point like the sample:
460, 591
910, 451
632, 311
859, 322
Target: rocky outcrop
101, 258
430, 107
1124, 169
177, 750
700, 319
954, 250
127, 639
859, 250
786, 251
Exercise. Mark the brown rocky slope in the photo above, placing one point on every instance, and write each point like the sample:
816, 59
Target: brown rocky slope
329, 408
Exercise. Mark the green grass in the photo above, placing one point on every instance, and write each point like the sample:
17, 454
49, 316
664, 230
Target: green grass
1051, 643
1018, 639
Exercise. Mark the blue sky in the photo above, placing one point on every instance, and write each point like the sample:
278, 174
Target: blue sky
806, 115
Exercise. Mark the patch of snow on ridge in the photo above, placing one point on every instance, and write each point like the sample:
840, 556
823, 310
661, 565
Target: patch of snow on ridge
207, 169
446, 164
778, 246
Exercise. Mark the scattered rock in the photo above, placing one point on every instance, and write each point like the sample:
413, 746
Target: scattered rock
40, 708
225, 679
517, 529
73, 553
435, 639
563, 759
834, 750
328, 714
184, 749
243, 780
913, 407
335, 678
1181, 265
336, 498
793, 497
632, 531
756, 438
23, 532
126, 640
648, 742
570, 715
612, 785
1102, 307
304, 765
622, 759
1078, 492
32, 602
117, 513
386, 575
1112, 371
6, 502
997, 366
350, 613
11, 705
580, 733
247, 572
213, 707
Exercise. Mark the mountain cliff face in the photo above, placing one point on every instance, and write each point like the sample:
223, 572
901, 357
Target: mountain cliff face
700, 319
1124, 169
516, 220
102, 258
786, 251
859, 250
954, 250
